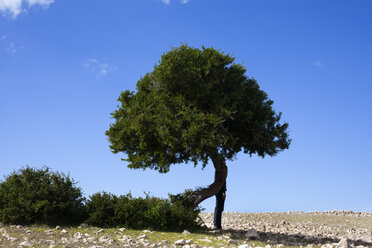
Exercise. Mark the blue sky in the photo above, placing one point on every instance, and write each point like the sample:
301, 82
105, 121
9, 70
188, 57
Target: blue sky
63, 64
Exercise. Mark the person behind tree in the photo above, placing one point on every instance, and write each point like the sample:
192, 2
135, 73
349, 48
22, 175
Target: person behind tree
220, 202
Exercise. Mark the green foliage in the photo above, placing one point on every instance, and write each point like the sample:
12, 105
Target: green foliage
195, 103
108, 210
39, 196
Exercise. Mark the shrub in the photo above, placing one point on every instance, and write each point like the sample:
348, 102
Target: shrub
108, 210
39, 196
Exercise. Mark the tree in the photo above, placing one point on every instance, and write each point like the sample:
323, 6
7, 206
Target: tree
194, 106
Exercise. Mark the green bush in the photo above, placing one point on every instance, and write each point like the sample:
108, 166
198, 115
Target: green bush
39, 196
108, 210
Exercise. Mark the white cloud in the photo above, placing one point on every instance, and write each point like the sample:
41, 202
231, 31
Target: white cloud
99, 68
15, 7
10, 48
317, 63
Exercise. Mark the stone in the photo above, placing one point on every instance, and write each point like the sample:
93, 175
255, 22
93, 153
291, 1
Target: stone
232, 242
252, 234
64, 241
25, 244
327, 246
91, 239
244, 246
343, 243
49, 232
195, 246
262, 228
122, 229
180, 242
185, 232
205, 240
63, 231
105, 239
78, 235
58, 227
83, 225
11, 239
189, 241
143, 236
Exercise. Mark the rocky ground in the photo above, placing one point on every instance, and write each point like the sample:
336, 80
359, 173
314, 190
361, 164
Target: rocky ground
241, 230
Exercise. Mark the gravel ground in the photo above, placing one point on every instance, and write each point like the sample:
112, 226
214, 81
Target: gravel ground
300, 228
334, 229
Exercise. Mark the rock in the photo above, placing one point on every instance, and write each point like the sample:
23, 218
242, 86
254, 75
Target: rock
63, 231
267, 246
185, 232
99, 231
83, 225
232, 242
64, 241
143, 236
205, 240
122, 229
219, 231
326, 246
343, 243
28, 231
105, 239
78, 235
49, 232
244, 246
25, 244
180, 242
58, 227
189, 241
11, 239
91, 239
252, 234
195, 246
186, 246
262, 228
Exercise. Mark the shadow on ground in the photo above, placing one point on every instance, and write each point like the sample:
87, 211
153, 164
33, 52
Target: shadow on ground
295, 240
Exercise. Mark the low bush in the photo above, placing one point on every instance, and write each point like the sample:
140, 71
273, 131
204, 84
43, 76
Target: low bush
39, 196
176, 213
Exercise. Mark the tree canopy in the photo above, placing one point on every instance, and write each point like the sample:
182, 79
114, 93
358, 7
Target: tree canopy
195, 103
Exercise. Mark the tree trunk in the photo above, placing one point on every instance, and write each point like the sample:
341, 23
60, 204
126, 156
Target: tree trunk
221, 173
